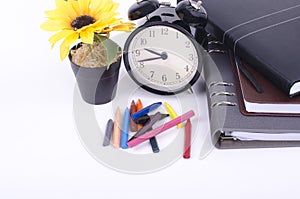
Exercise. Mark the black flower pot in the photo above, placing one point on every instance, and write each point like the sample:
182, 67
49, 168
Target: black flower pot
97, 85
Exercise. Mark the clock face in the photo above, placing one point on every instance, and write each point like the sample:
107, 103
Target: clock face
162, 58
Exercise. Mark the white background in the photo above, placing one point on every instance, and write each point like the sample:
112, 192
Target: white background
41, 154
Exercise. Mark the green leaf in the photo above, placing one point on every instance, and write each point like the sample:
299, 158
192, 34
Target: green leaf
111, 47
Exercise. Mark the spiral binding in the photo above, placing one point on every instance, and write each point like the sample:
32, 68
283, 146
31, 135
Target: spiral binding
221, 84
218, 47
224, 137
213, 42
217, 51
223, 103
222, 93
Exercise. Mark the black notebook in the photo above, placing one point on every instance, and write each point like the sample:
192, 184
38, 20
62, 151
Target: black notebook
265, 33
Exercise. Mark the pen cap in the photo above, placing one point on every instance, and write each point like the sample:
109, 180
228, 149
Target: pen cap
143, 120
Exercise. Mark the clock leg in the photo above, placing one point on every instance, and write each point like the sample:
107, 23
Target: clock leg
201, 37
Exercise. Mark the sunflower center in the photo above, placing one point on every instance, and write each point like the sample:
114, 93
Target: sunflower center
81, 21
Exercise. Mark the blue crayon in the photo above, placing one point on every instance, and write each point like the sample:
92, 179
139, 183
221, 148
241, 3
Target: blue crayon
125, 129
145, 110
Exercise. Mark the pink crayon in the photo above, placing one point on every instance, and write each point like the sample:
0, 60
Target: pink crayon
160, 129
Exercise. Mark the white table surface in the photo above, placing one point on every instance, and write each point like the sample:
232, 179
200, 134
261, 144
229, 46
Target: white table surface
42, 155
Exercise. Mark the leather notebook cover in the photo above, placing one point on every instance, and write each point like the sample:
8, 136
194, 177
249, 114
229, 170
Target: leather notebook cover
225, 115
263, 33
271, 95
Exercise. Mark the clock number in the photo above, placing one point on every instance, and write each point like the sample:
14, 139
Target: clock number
191, 57
151, 74
188, 44
165, 31
178, 76
164, 78
152, 33
137, 53
177, 35
143, 41
141, 65
187, 68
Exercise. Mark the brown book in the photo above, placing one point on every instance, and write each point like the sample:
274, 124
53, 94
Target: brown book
273, 101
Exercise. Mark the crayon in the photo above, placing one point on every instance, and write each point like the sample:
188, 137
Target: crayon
172, 113
153, 119
187, 140
125, 129
146, 110
133, 125
139, 106
144, 119
108, 132
160, 129
154, 144
117, 130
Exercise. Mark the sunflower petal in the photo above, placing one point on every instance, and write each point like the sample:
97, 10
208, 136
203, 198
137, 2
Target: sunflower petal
75, 6
53, 25
124, 27
65, 45
84, 6
97, 6
114, 7
71, 12
87, 36
60, 3
60, 35
53, 14
109, 8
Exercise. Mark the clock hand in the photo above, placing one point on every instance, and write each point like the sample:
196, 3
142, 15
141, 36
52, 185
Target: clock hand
153, 52
163, 55
150, 59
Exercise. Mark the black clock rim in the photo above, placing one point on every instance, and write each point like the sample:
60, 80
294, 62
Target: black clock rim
147, 88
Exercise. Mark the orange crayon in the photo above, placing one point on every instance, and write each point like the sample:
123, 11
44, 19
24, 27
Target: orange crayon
139, 106
117, 129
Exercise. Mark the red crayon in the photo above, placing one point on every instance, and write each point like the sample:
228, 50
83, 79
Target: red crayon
133, 125
187, 140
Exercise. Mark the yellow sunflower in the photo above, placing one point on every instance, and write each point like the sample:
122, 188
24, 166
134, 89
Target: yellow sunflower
74, 19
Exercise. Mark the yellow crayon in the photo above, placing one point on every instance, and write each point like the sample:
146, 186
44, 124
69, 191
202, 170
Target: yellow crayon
117, 129
172, 113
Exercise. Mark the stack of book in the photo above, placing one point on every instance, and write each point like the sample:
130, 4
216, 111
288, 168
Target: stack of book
254, 82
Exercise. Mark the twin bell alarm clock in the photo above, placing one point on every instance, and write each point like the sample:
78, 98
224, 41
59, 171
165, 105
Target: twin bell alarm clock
162, 55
